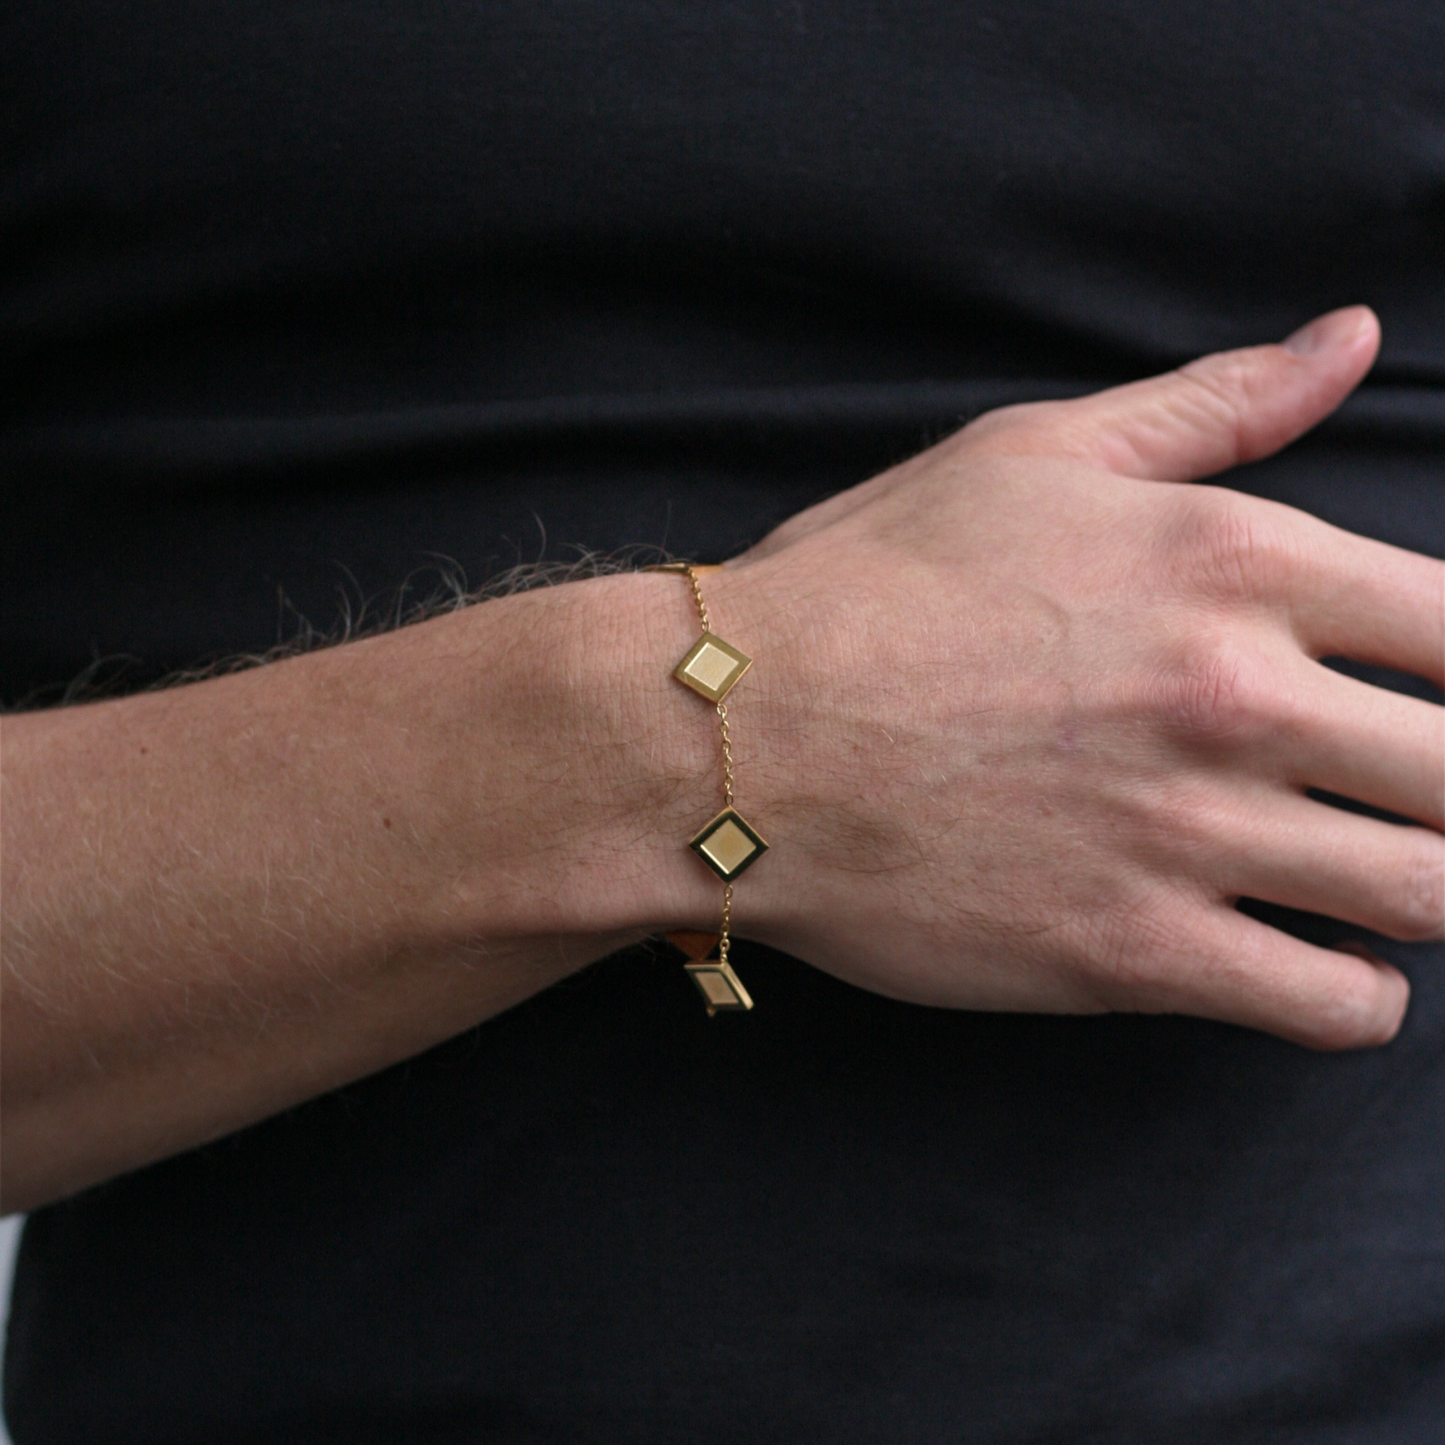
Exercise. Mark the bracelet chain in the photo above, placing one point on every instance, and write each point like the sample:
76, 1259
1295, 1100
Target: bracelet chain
728, 843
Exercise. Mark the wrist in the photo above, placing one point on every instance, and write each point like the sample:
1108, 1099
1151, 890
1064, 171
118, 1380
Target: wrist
607, 766
799, 774
768, 724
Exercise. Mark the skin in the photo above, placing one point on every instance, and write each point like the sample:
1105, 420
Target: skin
1028, 715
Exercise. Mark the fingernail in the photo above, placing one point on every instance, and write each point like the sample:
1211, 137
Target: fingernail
1338, 328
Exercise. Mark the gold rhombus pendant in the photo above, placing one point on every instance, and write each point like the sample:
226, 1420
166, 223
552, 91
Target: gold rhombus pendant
728, 845
722, 990
712, 667
719, 986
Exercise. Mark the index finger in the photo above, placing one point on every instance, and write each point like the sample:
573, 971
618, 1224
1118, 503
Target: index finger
1343, 595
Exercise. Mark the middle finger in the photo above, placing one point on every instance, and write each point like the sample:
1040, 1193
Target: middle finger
1362, 742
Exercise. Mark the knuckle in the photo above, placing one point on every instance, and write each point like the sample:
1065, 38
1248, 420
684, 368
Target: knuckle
1221, 388
1354, 1014
1022, 426
1132, 958
1216, 694
1231, 548
1184, 826
1420, 899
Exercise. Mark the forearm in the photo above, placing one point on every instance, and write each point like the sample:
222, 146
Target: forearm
226, 898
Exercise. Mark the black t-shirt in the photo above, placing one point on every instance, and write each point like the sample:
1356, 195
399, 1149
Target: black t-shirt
299, 299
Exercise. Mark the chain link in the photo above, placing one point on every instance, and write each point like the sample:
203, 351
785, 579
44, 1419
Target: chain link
727, 754
725, 938
697, 596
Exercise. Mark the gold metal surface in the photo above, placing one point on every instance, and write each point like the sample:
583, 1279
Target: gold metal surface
712, 667
721, 988
728, 845
728, 848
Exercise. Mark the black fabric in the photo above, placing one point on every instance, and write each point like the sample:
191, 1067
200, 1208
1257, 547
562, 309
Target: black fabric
299, 298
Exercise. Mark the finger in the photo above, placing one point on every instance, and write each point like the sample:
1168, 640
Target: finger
1312, 727
1377, 747
1371, 602
1343, 595
1242, 971
1273, 714
1387, 877
1212, 414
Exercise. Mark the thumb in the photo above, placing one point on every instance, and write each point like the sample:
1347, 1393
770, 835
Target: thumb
1213, 414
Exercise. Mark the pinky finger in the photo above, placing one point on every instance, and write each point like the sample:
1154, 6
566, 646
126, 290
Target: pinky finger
1245, 972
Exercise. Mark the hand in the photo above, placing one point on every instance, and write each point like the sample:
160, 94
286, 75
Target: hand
1030, 715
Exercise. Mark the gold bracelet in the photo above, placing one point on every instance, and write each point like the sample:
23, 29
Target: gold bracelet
727, 844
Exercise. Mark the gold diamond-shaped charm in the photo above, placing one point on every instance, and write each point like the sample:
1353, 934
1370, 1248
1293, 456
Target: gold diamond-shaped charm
712, 667
722, 990
728, 846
